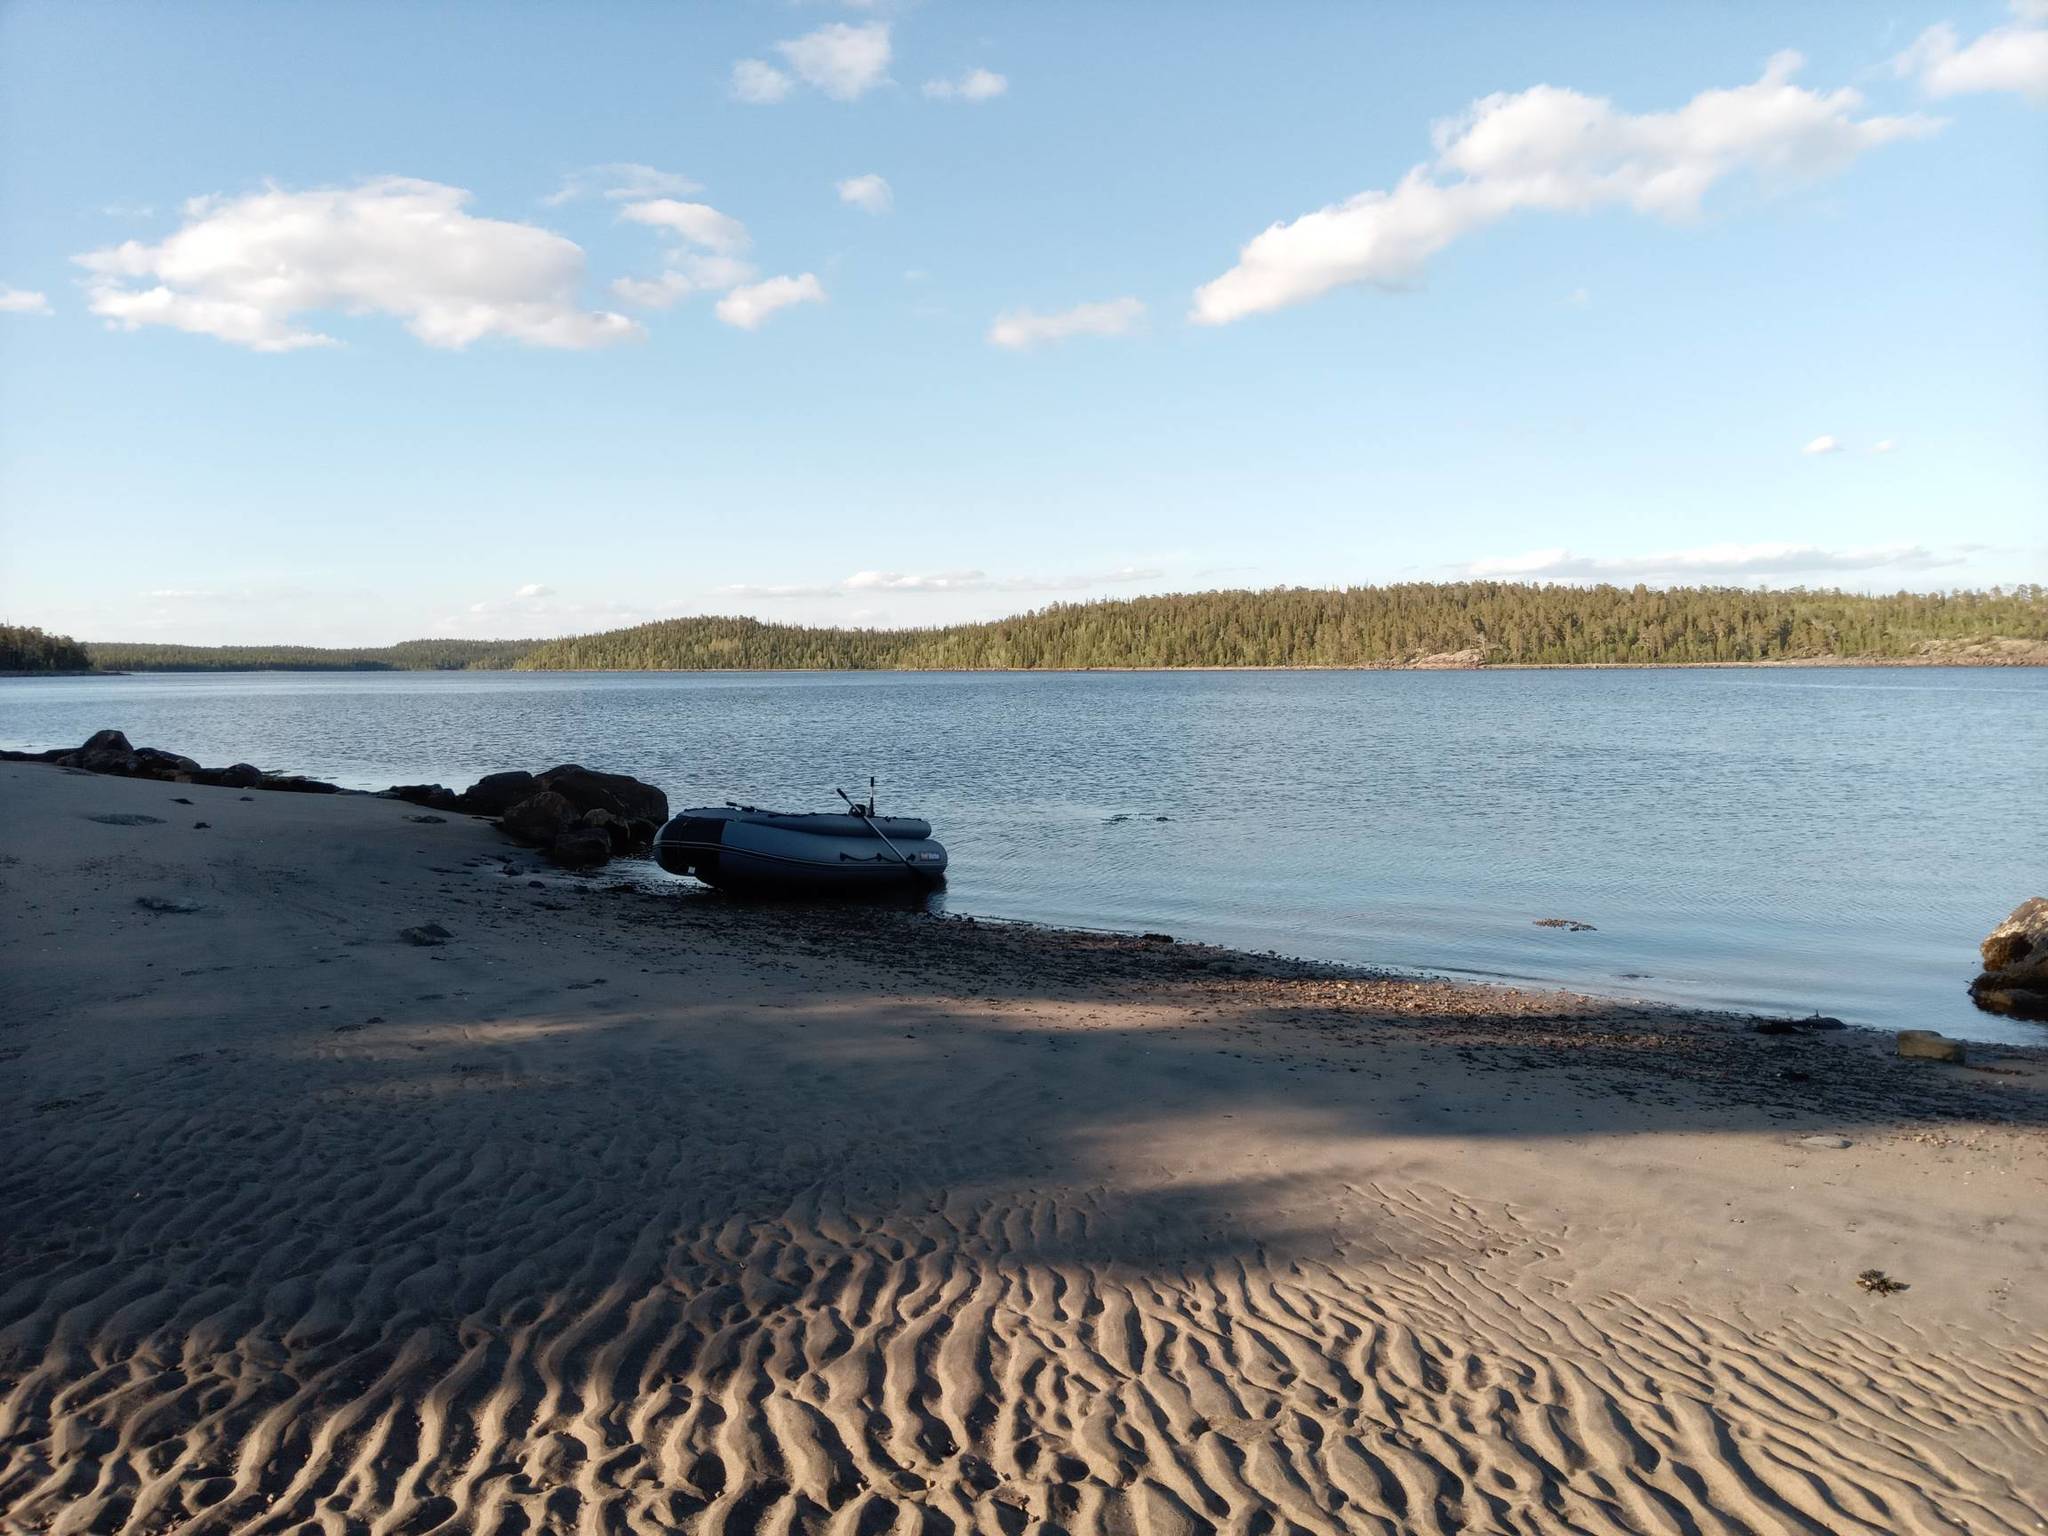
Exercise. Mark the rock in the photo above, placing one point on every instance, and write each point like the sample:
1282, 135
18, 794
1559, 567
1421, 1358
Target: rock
2015, 975
435, 797
2023, 935
1569, 924
621, 794
103, 752
297, 784
617, 830
426, 935
642, 832
1813, 1023
2014, 1002
539, 818
111, 752
153, 763
1928, 1045
165, 904
237, 776
1830, 1143
581, 848
496, 793
433, 820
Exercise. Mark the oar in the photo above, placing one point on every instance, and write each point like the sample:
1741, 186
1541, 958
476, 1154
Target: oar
870, 820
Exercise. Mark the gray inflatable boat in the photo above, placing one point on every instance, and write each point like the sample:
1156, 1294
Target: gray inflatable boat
747, 849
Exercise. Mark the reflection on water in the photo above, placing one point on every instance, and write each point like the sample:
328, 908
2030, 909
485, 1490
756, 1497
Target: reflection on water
1753, 839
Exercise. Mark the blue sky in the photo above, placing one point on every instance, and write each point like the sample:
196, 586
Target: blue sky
351, 323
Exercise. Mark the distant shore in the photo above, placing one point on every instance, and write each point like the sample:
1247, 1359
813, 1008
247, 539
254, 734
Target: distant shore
1775, 664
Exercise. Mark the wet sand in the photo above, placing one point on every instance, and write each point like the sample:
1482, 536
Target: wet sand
628, 1209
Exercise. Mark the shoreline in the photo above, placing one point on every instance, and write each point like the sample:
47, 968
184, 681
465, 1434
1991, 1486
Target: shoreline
1788, 662
357, 1166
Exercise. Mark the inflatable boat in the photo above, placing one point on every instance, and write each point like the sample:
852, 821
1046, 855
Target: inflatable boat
744, 848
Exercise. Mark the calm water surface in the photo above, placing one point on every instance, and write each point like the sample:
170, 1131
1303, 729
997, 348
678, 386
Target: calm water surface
1836, 840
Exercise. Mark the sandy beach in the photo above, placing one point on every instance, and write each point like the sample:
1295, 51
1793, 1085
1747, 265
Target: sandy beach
627, 1208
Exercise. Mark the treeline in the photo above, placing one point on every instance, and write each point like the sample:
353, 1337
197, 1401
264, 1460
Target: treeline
24, 648
1490, 623
1498, 623
406, 656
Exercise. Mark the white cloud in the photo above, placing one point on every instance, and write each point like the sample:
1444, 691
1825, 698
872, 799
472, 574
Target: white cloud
1551, 149
1825, 443
2013, 57
23, 301
712, 269
842, 59
621, 181
244, 269
1578, 298
535, 589
698, 223
688, 273
1019, 329
1884, 445
759, 84
1710, 561
973, 85
938, 583
748, 306
870, 193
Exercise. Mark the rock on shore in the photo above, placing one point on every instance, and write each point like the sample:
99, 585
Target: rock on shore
2015, 976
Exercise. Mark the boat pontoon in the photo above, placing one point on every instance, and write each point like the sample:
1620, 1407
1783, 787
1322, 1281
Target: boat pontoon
744, 848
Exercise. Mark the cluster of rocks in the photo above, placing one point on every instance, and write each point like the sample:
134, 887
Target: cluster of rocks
580, 818
2015, 976
111, 752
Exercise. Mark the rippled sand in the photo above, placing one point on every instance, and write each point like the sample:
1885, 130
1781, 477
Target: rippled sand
623, 1211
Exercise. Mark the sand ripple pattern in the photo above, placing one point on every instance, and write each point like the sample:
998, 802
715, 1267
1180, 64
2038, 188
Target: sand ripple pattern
575, 1337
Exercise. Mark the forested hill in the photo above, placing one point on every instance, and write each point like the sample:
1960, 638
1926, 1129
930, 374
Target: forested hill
406, 656
1472, 623
24, 648
1481, 622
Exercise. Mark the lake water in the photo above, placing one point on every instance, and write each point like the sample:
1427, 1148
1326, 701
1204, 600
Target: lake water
1835, 840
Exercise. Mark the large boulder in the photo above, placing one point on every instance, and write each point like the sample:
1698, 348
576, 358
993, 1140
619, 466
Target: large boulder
581, 848
111, 752
234, 776
496, 793
103, 752
619, 793
541, 818
435, 797
616, 828
2015, 975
